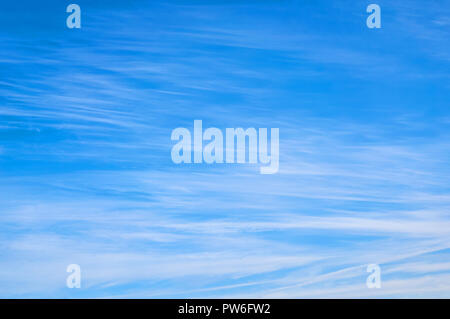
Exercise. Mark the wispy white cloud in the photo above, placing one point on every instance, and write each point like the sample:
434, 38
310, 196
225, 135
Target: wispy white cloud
88, 179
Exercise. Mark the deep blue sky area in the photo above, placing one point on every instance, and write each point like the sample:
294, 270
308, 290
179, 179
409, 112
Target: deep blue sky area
87, 178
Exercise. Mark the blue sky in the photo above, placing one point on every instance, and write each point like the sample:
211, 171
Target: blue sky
87, 178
